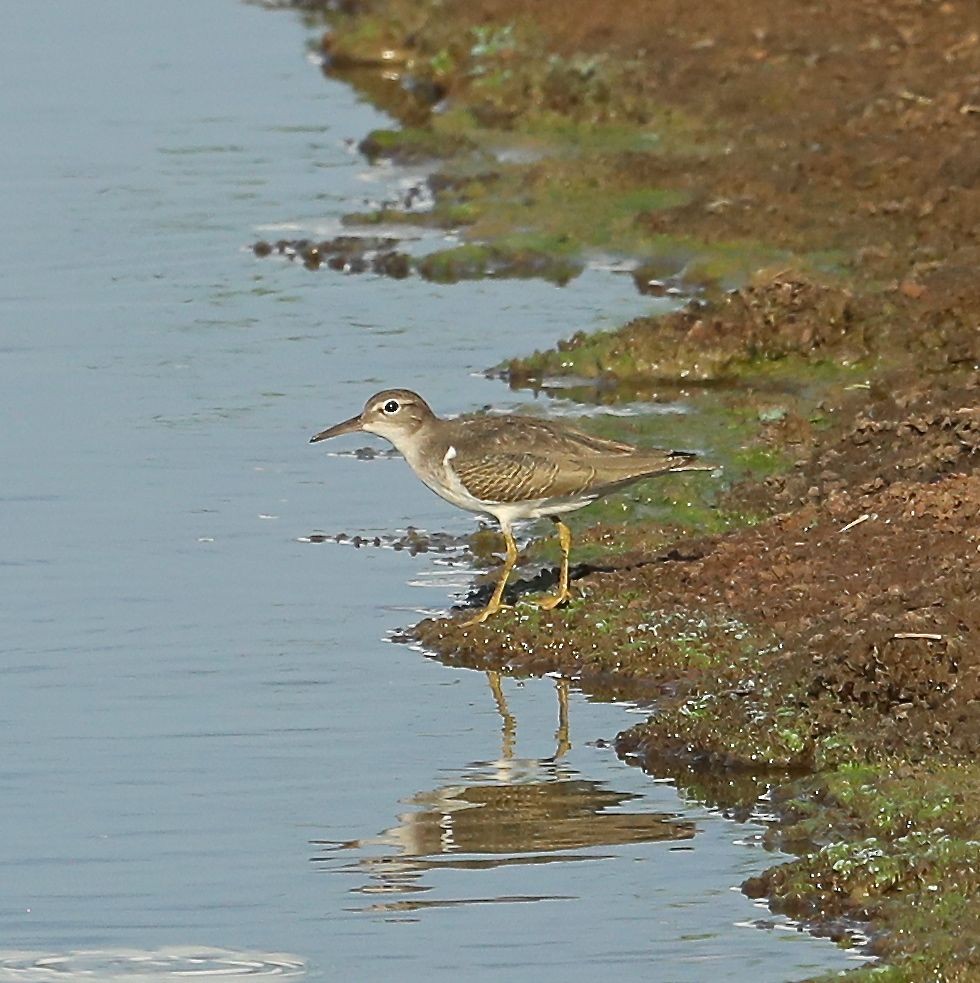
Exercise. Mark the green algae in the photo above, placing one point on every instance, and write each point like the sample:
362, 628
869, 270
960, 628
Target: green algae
511, 258
412, 145
363, 41
892, 843
560, 174
686, 347
566, 209
884, 841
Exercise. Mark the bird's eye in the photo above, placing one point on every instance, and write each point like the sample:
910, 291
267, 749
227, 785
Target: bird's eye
391, 406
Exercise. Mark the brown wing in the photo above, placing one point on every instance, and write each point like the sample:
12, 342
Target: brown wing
512, 477
515, 434
496, 460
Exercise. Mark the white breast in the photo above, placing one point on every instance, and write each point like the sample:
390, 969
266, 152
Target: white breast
443, 481
454, 490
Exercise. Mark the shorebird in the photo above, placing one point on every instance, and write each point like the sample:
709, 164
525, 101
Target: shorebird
508, 467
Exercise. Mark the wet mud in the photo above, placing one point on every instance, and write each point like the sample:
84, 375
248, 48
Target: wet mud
346, 254
412, 541
367, 254
813, 180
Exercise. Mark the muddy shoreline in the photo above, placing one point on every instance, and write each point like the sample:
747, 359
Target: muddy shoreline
814, 180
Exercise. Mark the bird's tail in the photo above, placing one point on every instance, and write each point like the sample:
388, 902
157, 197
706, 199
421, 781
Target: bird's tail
684, 461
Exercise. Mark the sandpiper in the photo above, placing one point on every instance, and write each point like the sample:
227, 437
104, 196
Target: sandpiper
509, 467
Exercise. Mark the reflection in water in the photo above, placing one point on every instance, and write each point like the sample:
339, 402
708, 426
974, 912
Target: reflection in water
502, 813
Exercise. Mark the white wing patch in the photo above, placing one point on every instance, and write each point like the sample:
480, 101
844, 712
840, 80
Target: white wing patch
455, 491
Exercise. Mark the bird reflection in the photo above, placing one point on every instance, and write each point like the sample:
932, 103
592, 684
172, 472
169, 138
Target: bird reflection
502, 813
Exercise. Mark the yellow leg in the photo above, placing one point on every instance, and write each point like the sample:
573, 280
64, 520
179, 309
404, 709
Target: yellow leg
509, 724
561, 735
495, 603
563, 594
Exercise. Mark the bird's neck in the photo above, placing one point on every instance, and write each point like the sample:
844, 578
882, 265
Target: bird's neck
419, 446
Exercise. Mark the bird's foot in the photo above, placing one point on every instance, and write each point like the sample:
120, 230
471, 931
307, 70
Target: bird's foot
553, 600
487, 612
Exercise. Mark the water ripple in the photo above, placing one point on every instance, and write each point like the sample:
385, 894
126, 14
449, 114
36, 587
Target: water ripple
147, 965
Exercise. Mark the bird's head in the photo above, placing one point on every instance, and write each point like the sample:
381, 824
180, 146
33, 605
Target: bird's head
395, 414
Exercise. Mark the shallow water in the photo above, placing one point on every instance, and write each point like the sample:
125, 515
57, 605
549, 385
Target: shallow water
215, 762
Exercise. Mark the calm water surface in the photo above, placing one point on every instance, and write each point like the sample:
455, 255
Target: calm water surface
211, 753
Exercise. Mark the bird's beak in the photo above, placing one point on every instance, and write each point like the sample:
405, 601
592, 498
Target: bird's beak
353, 425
